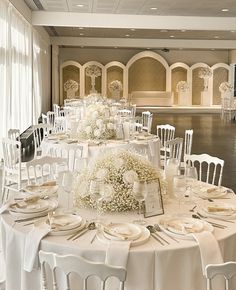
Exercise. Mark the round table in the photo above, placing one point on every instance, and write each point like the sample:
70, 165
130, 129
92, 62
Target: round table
150, 266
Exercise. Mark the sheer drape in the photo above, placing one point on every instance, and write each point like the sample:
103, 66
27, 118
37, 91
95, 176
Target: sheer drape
15, 70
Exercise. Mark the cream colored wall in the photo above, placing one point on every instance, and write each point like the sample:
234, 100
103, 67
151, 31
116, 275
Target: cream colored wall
114, 73
219, 75
178, 74
71, 72
147, 74
197, 87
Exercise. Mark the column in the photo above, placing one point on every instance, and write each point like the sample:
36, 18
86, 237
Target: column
56, 97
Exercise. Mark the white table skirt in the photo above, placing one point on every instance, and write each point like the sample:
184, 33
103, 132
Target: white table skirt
141, 146
150, 266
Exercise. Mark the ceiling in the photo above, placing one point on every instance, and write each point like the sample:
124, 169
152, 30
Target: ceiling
211, 9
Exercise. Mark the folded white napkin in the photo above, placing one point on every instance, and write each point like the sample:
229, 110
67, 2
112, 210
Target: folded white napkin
209, 249
32, 242
117, 253
6, 205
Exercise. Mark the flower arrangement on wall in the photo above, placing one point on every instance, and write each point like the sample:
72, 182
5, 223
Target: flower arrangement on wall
225, 87
93, 71
204, 72
115, 86
182, 86
118, 170
71, 86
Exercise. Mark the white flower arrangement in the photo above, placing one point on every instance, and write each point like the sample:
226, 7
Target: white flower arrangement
118, 169
95, 98
204, 72
225, 87
115, 86
97, 124
182, 86
93, 70
71, 85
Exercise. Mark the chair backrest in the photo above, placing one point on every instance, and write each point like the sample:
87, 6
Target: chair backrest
147, 121
73, 153
124, 113
14, 134
51, 118
44, 119
60, 124
81, 266
56, 109
174, 149
188, 141
227, 270
44, 169
39, 132
227, 103
165, 133
210, 168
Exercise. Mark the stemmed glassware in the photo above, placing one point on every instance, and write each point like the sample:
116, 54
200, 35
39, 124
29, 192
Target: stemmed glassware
67, 185
179, 188
140, 193
191, 177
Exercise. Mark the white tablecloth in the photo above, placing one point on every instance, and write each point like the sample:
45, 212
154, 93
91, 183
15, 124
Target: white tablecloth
148, 147
150, 266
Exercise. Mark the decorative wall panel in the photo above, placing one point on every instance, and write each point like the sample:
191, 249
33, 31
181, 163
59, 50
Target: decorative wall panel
178, 74
197, 87
220, 75
70, 72
113, 73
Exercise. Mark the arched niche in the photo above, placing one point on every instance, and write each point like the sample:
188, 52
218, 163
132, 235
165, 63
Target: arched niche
179, 72
98, 80
220, 74
114, 71
69, 70
147, 71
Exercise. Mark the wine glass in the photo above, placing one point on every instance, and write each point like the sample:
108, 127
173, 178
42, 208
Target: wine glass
140, 193
191, 177
179, 188
95, 189
67, 185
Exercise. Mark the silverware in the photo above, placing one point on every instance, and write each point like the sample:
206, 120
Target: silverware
29, 219
90, 226
220, 219
157, 227
216, 225
154, 235
192, 209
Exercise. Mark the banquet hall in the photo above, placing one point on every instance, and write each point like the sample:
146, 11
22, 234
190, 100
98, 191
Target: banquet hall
117, 144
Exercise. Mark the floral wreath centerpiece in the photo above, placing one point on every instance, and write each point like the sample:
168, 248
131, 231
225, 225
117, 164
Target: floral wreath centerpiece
182, 86
225, 87
93, 71
205, 73
118, 169
71, 86
97, 123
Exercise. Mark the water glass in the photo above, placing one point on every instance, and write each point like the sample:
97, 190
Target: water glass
140, 193
179, 188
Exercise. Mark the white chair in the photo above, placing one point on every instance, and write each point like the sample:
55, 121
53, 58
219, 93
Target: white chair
174, 149
14, 134
147, 121
228, 108
44, 119
44, 169
12, 176
39, 132
56, 109
60, 125
210, 168
79, 265
165, 133
132, 108
188, 141
51, 118
73, 153
227, 270
124, 113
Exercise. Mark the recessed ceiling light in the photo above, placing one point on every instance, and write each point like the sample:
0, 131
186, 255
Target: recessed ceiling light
148, 47
115, 46
216, 36
183, 30
225, 10
81, 34
81, 28
232, 31
172, 36
127, 35
163, 30
153, 8
132, 29
80, 5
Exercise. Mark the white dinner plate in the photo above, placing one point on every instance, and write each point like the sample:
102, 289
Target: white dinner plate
68, 231
215, 192
65, 221
122, 231
30, 207
221, 210
184, 227
52, 205
145, 234
41, 189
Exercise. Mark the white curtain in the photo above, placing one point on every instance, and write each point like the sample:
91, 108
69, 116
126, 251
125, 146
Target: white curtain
15, 70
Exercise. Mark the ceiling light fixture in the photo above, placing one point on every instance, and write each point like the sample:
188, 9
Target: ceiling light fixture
81, 34
127, 35
183, 30
132, 29
232, 31
172, 36
216, 36
80, 5
81, 28
153, 8
225, 10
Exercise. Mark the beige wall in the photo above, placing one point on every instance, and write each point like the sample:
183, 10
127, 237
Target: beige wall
147, 74
178, 74
197, 87
114, 73
219, 75
70, 72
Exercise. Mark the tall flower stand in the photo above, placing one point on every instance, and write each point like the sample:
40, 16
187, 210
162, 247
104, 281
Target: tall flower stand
116, 95
184, 99
93, 90
70, 94
205, 99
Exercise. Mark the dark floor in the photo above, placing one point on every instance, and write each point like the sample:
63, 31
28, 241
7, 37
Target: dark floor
211, 135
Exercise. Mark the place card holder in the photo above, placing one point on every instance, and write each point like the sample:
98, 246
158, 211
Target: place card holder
153, 200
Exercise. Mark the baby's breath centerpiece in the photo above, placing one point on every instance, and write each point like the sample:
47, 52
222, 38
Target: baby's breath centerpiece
225, 87
118, 169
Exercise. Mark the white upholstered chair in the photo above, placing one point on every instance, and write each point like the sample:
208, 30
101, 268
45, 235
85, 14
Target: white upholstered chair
227, 270
210, 168
81, 266
44, 169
